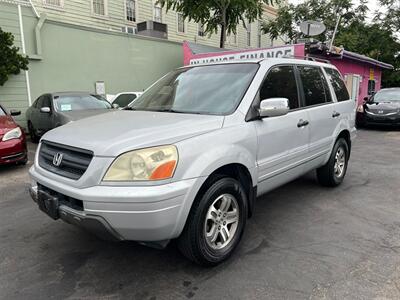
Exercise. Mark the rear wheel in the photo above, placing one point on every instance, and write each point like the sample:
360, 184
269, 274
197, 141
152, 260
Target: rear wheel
34, 138
216, 223
333, 172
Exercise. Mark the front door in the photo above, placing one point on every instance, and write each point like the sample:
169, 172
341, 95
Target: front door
283, 140
45, 119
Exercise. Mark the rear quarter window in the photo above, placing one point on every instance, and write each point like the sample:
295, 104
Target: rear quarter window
338, 84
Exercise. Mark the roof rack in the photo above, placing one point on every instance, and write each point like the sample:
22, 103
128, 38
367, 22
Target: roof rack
316, 59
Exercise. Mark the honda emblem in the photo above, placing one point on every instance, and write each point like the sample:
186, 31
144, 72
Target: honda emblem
57, 159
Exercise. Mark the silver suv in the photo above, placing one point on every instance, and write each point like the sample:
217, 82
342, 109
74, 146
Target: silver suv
187, 160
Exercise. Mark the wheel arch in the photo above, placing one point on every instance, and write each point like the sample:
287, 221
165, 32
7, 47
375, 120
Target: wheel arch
345, 134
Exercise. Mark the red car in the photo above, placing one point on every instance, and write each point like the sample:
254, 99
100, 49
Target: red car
12, 139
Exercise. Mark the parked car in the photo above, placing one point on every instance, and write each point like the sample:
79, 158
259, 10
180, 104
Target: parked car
12, 139
122, 100
383, 108
55, 109
188, 158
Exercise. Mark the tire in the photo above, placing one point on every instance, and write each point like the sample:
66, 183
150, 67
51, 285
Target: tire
208, 215
34, 138
331, 174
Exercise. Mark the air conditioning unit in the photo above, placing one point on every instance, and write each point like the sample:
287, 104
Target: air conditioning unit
129, 29
153, 29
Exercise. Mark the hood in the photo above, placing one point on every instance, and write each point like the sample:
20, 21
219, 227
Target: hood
120, 131
6, 124
75, 115
382, 107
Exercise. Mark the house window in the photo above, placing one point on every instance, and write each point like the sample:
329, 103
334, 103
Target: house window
248, 34
55, 3
157, 13
131, 10
200, 29
99, 7
259, 34
180, 23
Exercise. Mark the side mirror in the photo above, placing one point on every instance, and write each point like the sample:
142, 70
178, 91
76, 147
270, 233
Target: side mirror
274, 107
15, 112
45, 110
366, 99
115, 106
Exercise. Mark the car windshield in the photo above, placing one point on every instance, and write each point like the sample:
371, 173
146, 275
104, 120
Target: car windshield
215, 90
387, 95
80, 102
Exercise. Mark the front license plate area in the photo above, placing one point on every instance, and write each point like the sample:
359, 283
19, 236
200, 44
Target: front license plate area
48, 204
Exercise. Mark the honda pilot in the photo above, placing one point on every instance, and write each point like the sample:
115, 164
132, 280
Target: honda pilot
188, 159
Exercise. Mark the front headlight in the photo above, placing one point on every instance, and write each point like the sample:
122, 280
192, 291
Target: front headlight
155, 163
12, 134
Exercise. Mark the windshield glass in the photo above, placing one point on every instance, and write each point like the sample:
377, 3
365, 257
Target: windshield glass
387, 95
215, 90
80, 102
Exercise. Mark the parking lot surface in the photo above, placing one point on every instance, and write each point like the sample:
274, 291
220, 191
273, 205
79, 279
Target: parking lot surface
303, 242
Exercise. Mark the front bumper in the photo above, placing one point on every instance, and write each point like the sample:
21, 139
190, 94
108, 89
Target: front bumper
369, 119
138, 213
13, 151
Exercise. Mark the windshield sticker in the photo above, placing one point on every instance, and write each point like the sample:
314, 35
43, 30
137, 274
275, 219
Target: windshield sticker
66, 107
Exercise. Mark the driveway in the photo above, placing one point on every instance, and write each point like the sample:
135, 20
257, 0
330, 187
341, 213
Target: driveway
303, 242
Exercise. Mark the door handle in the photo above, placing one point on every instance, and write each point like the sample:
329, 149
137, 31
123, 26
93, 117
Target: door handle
335, 114
302, 123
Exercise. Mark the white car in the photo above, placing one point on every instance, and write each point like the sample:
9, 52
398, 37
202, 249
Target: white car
187, 159
123, 99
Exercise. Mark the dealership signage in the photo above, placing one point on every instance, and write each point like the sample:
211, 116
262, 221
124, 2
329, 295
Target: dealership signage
276, 52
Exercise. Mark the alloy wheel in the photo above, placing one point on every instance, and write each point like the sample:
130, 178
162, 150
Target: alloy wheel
221, 222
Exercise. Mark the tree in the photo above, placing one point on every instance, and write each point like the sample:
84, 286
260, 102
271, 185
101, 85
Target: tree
218, 14
290, 16
377, 40
11, 62
390, 18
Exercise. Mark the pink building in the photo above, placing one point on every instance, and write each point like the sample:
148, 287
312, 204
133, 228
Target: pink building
362, 74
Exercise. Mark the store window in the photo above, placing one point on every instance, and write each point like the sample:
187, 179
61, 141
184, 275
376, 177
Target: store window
371, 87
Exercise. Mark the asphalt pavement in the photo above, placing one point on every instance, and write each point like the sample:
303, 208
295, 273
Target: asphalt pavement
303, 242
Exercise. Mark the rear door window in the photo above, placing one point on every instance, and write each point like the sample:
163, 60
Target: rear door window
315, 88
281, 83
338, 84
124, 99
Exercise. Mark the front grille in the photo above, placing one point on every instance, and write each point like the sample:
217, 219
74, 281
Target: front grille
74, 161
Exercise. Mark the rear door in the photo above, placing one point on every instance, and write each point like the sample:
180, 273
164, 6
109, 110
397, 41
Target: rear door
344, 105
283, 140
321, 109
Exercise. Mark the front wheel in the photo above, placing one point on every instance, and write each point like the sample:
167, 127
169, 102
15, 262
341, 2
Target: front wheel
215, 224
333, 172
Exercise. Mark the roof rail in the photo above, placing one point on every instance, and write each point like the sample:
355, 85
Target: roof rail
308, 58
